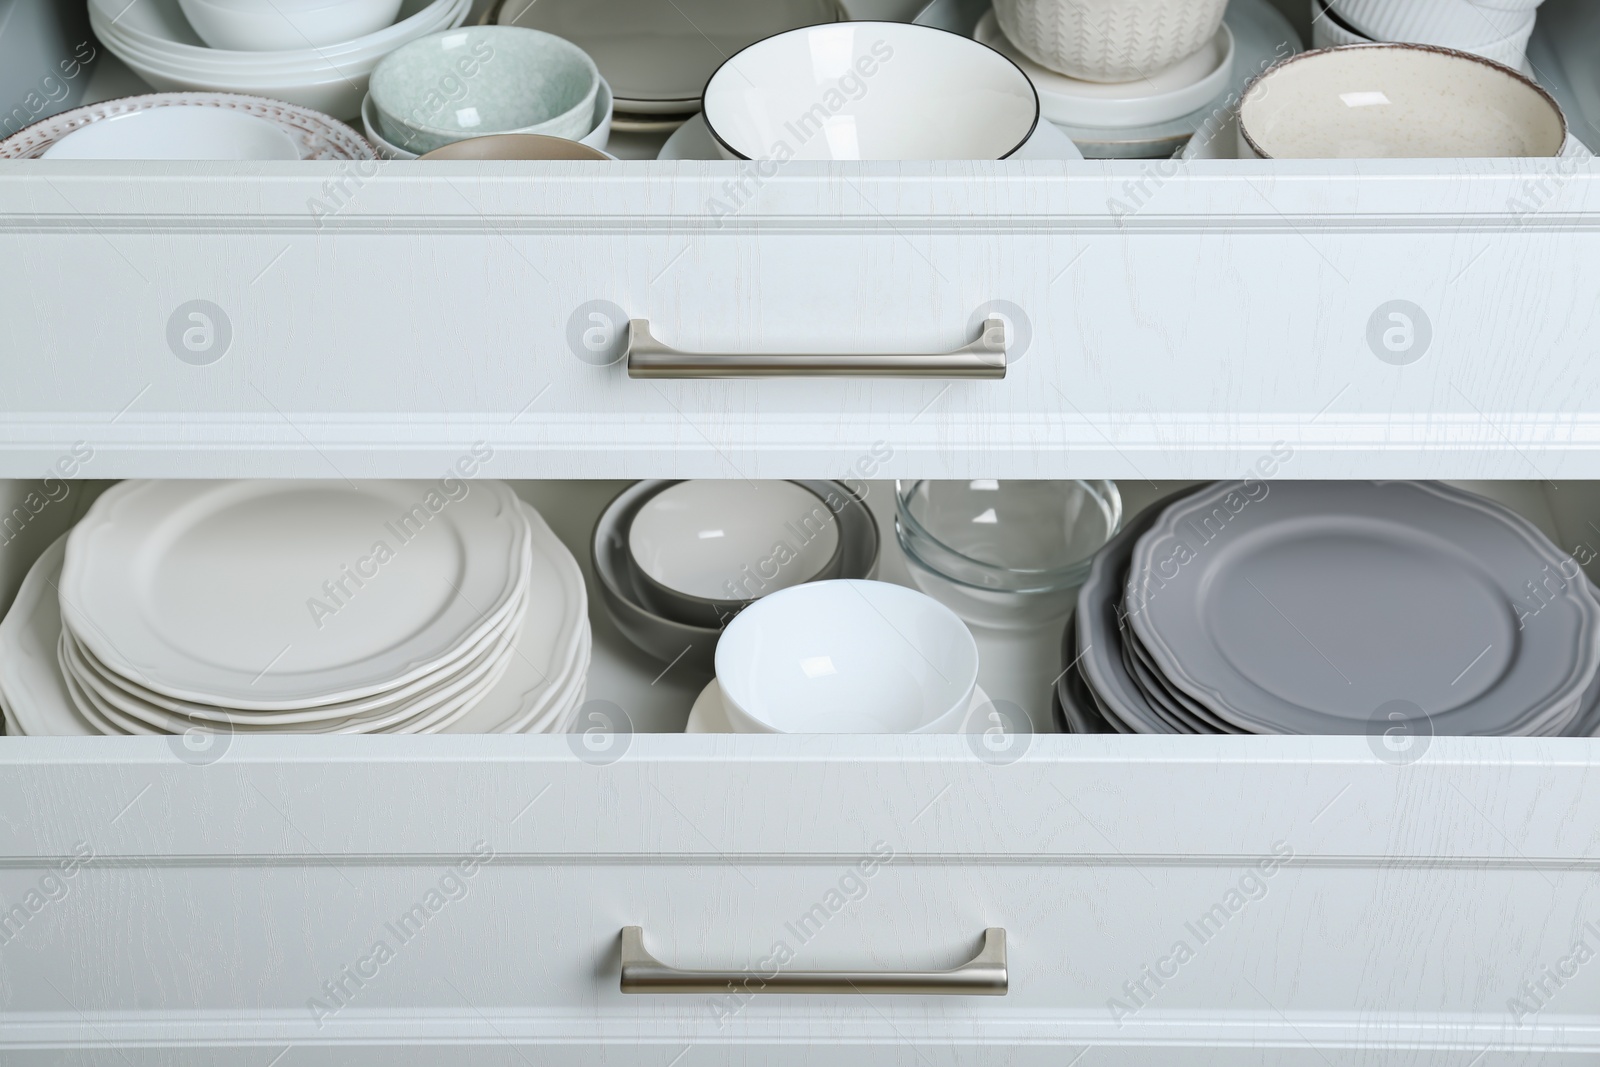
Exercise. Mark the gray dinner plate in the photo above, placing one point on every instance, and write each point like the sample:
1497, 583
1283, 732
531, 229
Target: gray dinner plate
1074, 707
1318, 607
1099, 642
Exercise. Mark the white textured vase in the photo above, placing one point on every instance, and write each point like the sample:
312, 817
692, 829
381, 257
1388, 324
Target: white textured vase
1109, 40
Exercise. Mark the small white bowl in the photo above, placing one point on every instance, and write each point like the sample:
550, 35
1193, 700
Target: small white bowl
485, 79
286, 25
706, 543
869, 90
1396, 101
598, 137
847, 657
177, 133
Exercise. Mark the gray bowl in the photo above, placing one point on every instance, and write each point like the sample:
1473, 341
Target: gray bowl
695, 646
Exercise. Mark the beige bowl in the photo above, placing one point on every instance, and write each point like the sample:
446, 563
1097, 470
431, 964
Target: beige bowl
1372, 101
516, 146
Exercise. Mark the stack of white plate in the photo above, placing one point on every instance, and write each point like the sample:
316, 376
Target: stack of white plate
1333, 608
659, 56
301, 607
157, 42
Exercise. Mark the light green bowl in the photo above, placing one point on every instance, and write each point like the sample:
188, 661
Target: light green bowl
479, 80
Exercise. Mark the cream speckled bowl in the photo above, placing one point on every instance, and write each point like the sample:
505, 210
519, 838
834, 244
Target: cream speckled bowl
1396, 100
1109, 40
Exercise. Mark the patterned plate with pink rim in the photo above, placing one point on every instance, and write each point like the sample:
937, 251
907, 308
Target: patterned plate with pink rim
316, 135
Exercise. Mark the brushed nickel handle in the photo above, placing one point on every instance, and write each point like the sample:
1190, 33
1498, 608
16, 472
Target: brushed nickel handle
982, 358
984, 975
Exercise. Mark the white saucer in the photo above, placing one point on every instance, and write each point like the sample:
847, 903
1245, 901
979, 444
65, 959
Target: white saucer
1179, 90
693, 140
710, 716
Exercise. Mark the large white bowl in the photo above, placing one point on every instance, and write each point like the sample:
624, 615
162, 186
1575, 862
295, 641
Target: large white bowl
177, 133
1396, 100
869, 90
286, 25
485, 79
847, 657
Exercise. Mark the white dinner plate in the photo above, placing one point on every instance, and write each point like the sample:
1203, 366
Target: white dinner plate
541, 689
1308, 607
267, 596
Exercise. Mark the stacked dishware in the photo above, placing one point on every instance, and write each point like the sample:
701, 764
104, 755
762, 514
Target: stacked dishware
658, 56
676, 561
503, 80
1495, 29
317, 55
1004, 554
853, 657
188, 126
300, 607
1332, 608
1135, 79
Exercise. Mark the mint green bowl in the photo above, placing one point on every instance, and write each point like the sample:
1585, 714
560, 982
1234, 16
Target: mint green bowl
479, 80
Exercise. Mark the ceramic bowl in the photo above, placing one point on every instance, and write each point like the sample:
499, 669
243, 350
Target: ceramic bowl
692, 647
286, 25
157, 44
1109, 40
1396, 100
597, 138
485, 79
177, 133
1454, 23
869, 90
524, 146
705, 549
847, 657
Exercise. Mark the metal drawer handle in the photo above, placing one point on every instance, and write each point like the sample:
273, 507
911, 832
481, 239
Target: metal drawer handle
983, 358
983, 975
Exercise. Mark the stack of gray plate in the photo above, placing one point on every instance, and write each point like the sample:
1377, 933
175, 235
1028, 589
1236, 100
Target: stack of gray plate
1333, 608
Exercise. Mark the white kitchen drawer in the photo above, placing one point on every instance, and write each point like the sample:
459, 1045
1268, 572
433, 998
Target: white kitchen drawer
1230, 312
207, 905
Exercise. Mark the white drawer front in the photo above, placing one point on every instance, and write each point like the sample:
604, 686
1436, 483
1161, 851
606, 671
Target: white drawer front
1320, 895
1237, 306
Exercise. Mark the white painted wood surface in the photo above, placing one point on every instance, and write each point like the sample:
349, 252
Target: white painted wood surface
1184, 317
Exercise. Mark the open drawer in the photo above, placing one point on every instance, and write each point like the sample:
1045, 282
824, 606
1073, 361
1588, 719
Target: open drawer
1202, 900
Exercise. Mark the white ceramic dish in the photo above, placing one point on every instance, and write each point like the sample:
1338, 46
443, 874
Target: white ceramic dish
709, 714
1462, 24
171, 58
159, 26
1109, 40
350, 593
540, 690
1396, 100
847, 657
598, 137
315, 136
693, 140
869, 91
177, 133
1167, 94
1329, 29
286, 25
731, 539
496, 79
658, 55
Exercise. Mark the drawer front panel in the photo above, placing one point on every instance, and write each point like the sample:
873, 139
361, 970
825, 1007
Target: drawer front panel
1348, 317
334, 890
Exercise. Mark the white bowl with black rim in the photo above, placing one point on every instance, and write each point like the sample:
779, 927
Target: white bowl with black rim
869, 91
